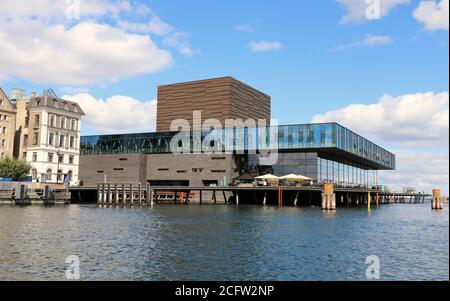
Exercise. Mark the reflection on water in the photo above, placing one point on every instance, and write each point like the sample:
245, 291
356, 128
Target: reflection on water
223, 243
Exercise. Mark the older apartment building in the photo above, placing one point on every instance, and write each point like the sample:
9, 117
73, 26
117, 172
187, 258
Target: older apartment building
44, 131
7, 126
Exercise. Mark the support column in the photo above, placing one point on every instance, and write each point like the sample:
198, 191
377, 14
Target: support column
140, 194
108, 194
116, 194
369, 200
147, 194
99, 194
377, 200
296, 199
124, 195
131, 195
328, 197
437, 201
237, 197
265, 198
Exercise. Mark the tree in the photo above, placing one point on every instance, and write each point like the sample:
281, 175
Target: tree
13, 168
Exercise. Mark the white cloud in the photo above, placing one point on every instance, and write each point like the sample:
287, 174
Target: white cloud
414, 126
180, 41
244, 28
39, 43
360, 10
82, 55
412, 120
117, 114
155, 26
368, 41
264, 46
433, 15
425, 171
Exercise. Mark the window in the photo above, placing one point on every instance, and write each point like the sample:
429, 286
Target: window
60, 158
25, 140
51, 138
197, 169
52, 120
118, 169
50, 157
70, 174
59, 176
34, 174
24, 155
4, 130
3, 155
3, 143
35, 138
217, 171
36, 120
219, 158
163, 169
73, 124
34, 157
48, 176
61, 140
71, 159
63, 122
27, 121
72, 142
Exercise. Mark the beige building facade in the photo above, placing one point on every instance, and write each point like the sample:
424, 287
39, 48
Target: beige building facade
7, 126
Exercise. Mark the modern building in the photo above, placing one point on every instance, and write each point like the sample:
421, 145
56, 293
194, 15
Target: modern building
326, 152
7, 126
46, 133
218, 98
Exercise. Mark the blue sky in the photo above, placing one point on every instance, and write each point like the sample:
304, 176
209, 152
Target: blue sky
305, 74
317, 59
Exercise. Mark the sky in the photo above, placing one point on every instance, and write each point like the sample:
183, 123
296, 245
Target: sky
379, 67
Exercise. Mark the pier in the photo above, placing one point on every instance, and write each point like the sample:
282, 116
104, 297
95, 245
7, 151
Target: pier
34, 194
327, 197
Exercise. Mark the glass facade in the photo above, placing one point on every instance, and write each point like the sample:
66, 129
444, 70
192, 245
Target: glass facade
305, 137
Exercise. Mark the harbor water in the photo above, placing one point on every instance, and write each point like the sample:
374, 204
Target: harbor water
223, 242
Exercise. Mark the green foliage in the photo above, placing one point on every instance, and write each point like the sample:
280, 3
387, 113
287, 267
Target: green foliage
13, 168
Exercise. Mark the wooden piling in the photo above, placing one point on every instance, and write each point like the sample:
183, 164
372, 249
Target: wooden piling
437, 201
116, 194
328, 197
131, 195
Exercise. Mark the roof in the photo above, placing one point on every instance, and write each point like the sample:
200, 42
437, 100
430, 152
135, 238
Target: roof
57, 103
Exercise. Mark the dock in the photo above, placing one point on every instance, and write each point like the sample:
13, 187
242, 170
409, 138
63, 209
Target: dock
327, 196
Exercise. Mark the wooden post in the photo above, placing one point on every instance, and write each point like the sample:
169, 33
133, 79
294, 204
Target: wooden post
147, 194
108, 194
131, 195
377, 200
296, 199
99, 194
369, 200
333, 202
139, 194
201, 196
116, 194
124, 194
328, 197
437, 203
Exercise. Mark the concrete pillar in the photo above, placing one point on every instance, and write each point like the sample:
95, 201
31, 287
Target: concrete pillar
139, 194
265, 198
237, 198
296, 199
116, 194
328, 197
131, 195
437, 201
99, 194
